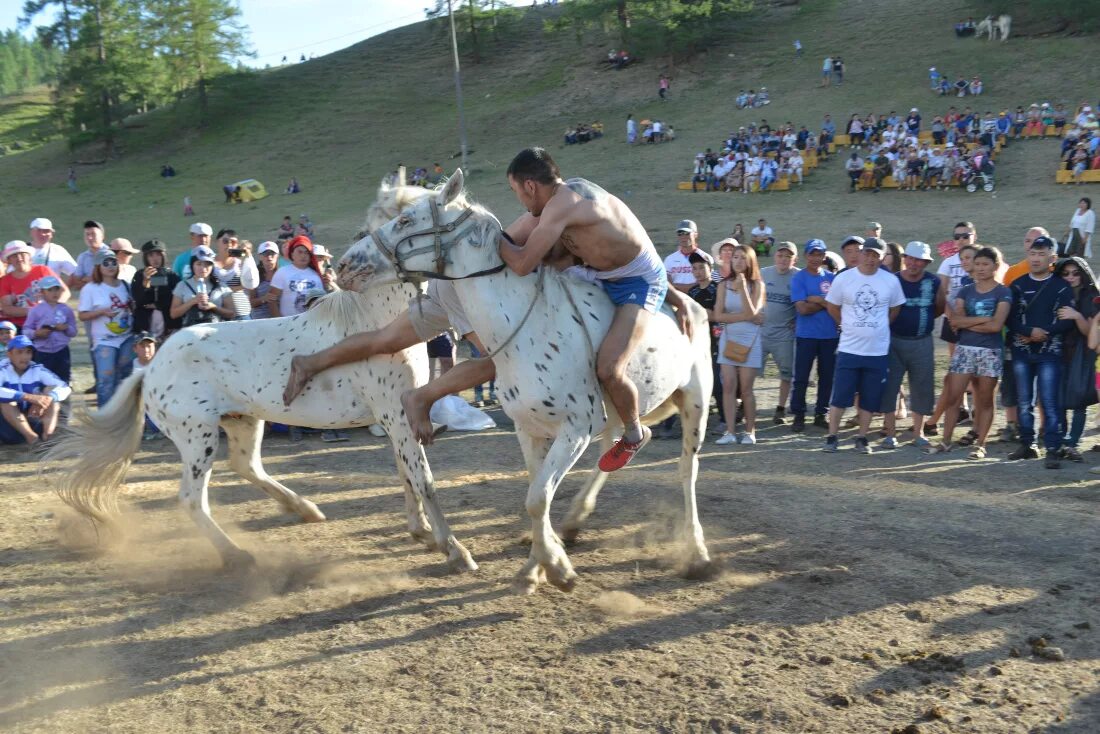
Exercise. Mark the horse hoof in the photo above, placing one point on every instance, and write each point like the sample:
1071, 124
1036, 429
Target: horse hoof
311, 513
524, 586
239, 561
569, 536
564, 579
700, 570
459, 559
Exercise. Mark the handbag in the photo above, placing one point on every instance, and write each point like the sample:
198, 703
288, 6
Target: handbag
739, 352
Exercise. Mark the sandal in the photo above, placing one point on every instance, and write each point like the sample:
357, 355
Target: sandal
977, 453
931, 429
969, 438
940, 448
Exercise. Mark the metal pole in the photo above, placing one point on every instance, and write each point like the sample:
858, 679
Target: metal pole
458, 89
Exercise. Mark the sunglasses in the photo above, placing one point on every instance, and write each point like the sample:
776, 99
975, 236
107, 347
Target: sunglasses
110, 263
963, 235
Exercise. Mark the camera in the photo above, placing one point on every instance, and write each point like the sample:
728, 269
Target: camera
160, 279
237, 252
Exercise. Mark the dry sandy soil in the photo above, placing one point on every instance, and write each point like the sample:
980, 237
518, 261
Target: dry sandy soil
855, 594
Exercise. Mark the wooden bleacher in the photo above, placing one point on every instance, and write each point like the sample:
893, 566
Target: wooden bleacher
782, 183
1090, 176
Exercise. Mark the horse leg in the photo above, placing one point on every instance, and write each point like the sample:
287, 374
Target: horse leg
197, 455
413, 465
546, 549
245, 434
419, 527
693, 402
534, 450
584, 502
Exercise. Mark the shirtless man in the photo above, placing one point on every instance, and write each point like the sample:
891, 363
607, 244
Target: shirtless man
597, 220
603, 233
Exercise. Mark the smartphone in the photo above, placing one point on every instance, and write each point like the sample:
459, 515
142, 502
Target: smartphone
158, 280
237, 252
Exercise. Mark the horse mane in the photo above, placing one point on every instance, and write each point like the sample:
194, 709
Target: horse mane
390, 200
346, 310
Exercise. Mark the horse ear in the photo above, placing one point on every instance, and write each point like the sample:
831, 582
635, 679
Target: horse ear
453, 188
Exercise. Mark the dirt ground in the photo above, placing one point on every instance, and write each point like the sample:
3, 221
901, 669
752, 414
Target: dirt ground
892, 592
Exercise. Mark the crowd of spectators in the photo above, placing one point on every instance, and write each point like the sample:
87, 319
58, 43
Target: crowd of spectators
864, 322
1080, 149
962, 87
128, 309
755, 156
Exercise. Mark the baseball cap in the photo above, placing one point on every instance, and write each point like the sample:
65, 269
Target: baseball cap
41, 223
20, 342
874, 244
7, 325
15, 247
699, 257
1043, 243
201, 228
153, 245
321, 251
788, 246
203, 253
686, 225
874, 225
48, 282
104, 254
814, 245
919, 250
268, 246
94, 223
145, 336
850, 239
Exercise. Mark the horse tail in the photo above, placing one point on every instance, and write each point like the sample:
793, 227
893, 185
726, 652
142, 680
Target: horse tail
96, 451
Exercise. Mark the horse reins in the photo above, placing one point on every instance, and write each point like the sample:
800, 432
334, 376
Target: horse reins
441, 250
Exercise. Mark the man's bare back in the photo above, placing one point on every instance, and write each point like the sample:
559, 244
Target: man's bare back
599, 228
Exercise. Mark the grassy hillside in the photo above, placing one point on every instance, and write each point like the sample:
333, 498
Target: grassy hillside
340, 122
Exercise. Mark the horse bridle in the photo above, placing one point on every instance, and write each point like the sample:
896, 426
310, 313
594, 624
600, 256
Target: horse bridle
440, 248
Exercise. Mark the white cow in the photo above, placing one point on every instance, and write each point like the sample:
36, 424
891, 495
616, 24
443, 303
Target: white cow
544, 330
232, 375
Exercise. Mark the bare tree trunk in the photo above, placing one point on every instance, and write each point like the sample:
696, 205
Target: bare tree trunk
105, 92
473, 32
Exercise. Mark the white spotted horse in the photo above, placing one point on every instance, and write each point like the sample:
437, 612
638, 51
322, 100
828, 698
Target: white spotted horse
217, 375
543, 331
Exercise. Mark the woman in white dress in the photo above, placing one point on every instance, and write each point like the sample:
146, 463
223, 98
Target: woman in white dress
739, 306
1081, 226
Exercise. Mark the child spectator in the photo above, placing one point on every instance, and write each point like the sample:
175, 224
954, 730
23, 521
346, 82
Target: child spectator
7, 333
145, 348
705, 292
52, 325
188, 210
30, 396
286, 229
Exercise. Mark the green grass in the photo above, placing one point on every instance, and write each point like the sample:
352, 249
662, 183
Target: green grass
24, 120
339, 123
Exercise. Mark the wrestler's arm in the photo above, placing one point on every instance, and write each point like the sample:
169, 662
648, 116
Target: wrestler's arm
551, 223
521, 229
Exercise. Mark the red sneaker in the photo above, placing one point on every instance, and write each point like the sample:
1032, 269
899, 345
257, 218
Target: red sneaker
621, 453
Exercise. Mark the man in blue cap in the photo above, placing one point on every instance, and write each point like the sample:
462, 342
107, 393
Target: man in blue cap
30, 396
815, 336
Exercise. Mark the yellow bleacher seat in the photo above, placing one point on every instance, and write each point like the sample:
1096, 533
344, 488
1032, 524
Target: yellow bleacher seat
1090, 176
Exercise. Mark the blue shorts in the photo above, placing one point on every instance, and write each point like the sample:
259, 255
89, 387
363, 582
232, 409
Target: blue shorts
638, 291
855, 373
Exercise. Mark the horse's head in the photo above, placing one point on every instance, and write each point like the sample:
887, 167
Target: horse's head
435, 234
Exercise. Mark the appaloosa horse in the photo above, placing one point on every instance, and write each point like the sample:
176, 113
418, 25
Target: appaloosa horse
543, 331
217, 375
